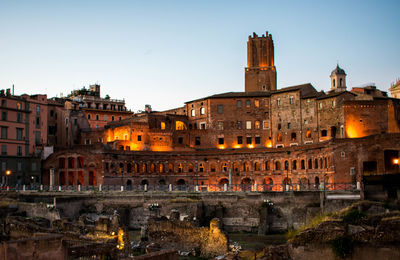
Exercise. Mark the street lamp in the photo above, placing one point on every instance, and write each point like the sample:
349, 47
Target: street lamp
396, 161
8, 173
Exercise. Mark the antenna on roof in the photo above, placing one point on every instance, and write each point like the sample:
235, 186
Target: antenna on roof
13, 90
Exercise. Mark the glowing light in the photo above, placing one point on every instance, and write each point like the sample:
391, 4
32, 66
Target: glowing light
269, 144
221, 147
8, 172
121, 243
237, 146
396, 161
250, 146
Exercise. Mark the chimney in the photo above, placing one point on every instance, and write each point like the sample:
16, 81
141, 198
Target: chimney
8, 92
2, 92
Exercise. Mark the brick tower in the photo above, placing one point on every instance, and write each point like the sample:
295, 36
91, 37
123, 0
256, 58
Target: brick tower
260, 73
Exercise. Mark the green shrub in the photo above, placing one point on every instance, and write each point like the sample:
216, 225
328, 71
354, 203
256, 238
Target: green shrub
342, 246
353, 216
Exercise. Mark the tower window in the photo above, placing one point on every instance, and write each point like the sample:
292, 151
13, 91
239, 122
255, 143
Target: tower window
220, 109
334, 83
341, 82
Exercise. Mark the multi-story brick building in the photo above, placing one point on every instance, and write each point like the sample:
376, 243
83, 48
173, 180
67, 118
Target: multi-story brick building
263, 135
23, 136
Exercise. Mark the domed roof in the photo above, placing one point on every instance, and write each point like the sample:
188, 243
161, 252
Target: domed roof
338, 71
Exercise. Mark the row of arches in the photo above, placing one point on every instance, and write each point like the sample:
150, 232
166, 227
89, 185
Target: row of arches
236, 167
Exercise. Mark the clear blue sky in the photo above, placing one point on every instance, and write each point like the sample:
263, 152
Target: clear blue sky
164, 53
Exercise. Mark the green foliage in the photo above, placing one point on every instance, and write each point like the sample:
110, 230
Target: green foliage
342, 246
318, 219
353, 216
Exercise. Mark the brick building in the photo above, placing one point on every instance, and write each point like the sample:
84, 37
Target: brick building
263, 135
23, 137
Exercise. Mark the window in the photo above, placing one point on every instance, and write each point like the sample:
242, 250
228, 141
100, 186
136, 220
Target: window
291, 100
203, 126
33, 167
247, 103
220, 109
37, 122
88, 116
119, 118
257, 103
334, 82
303, 164
279, 137
180, 140
249, 140
238, 124
278, 102
105, 118
19, 117
139, 138
197, 140
51, 113
333, 103
220, 140
97, 117
240, 139
19, 133
3, 166
257, 125
239, 103
266, 124
4, 132
19, 150
38, 110
279, 126
4, 115
112, 118
202, 111
3, 103
341, 82
37, 138
220, 125
320, 105
288, 125
3, 149
305, 121
248, 124
162, 125
193, 112
75, 121
19, 166
324, 133
293, 136
257, 140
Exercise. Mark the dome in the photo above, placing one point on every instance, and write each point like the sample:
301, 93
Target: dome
338, 71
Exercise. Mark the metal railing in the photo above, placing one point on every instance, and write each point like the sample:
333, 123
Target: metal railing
188, 188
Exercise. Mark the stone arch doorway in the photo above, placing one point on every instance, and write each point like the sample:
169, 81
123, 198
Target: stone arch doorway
129, 184
144, 182
246, 184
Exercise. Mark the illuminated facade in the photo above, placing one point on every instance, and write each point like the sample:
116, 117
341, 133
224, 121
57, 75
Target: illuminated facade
263, 135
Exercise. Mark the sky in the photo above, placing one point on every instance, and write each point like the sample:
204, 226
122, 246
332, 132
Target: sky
165, 53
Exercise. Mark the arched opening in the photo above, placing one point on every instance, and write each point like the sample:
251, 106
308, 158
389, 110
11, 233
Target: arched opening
269, 183
170, 167
293, 136
267, 166
324, 133
277, 165
235, 167
257, 166
152, 167
321, 163
144, 182
222, 182
162, 182
286, 165
309, 164
201, 167
333, 131
224, 167
294, 165
315, 163
121, 167
92, 178
246, 184
161, 168
279, 137
190, 167
341, 82
316, 182
308, 134
181, 183
144, 168
136, 167
212, 167
128, 185
304, 183
62, 178
180, 168
129, 167
71, 178
303, 164
246, 166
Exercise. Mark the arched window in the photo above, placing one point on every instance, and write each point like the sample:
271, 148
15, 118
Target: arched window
212, 167
321, 166
235, 167
324, 133
223, 181
267, 166
286, 165
315, 163
224, 167
308, 134
257, 166
334, 82
293, 136
161, 168
180, 168
201, 167
144, 168
190, 167
129, 167
303, 164
309, 164
277, 165
279, 138
246, 166
170, 167
294, 164
152, 167
136, 167
341, 82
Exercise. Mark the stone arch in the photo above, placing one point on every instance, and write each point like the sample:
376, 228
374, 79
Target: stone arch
162, 182
277, 165
129, 167
152, 167
136, 167
161, 168
181, 182
170, 167
267, 166
269, 183
286, 165
224, 167
246, 166
294, 164
144, 182
144, 168
246, 184
236, 167
190, 167
257, 166
180, 168
310, 163
223, 181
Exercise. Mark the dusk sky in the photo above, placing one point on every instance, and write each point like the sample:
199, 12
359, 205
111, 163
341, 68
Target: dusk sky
164, 53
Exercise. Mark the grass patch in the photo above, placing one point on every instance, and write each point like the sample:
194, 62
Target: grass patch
353, 216
318, 219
